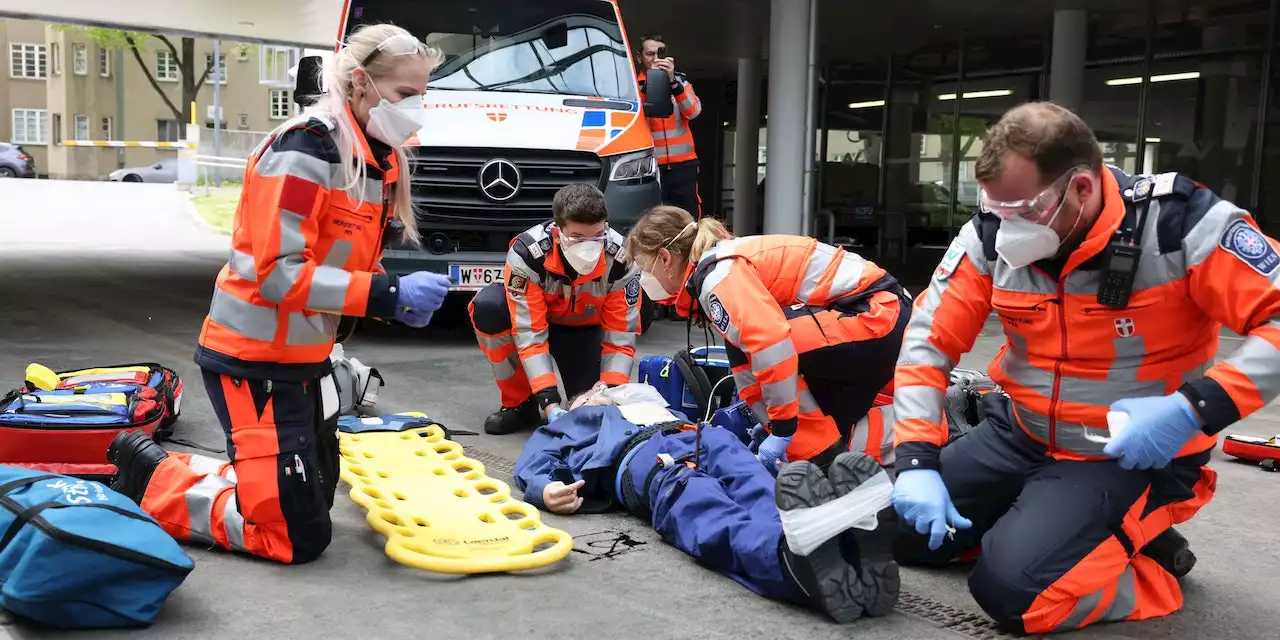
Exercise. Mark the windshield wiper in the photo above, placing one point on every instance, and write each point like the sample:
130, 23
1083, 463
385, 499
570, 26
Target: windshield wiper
553, 70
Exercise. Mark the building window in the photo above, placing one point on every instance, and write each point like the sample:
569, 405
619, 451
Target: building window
82, 127
29, 126
167, 131
80, 59
57, 128
56, 54
276, 62
104, 62
221, 70
106, 128
166, 66
28, 61
280, 104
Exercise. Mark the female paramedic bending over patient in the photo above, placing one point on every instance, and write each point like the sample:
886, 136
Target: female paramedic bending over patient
322, 197
812, 331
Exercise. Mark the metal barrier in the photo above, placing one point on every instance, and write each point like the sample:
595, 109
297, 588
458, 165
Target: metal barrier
127, 143
204, 163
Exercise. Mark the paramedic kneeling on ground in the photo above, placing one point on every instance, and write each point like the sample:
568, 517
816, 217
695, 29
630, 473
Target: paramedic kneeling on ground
812, 331
566, 299
320, 201
1074, 520
722, 508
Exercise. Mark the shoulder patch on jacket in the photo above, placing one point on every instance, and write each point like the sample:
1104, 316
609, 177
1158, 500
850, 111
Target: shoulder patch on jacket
950, 260
517, 284
718, 314
1250, 246
633, 290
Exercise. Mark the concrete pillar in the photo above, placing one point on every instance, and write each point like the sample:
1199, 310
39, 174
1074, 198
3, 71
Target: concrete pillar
788, 59
746, 145
1066, 66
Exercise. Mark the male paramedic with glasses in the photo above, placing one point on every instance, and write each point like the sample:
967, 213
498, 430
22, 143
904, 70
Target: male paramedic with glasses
1111, 290
566, 299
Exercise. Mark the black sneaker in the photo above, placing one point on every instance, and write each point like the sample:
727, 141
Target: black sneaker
512, 419
136, 457
1171, 551
871, 552
831, 584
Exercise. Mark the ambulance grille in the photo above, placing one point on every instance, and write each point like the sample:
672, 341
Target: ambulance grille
446, 186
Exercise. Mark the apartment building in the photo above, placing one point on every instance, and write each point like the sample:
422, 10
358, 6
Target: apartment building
63, 86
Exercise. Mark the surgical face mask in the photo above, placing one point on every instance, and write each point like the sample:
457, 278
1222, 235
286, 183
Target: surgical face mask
583, 255
1022, 243
653, 287
394, 122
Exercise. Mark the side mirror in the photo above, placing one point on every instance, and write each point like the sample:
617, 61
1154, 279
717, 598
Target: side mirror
657, 94
158, 165
307, 88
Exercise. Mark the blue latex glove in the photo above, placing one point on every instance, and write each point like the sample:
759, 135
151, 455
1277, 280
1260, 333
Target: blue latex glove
758, 434
555, 413
1158, 428
423, 291
921, 498
415, 319
773, 449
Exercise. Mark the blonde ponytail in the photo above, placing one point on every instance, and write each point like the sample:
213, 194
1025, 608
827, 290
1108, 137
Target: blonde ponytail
710, 231
674, 229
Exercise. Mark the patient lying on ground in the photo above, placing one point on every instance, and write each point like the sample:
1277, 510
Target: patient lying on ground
819, 540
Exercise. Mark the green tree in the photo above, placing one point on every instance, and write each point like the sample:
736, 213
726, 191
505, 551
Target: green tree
136, 43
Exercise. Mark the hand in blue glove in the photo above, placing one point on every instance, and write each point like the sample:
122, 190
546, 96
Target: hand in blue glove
415, 319
773, 449
423, 291
554, 413
921, 498
1158, 428
758, 434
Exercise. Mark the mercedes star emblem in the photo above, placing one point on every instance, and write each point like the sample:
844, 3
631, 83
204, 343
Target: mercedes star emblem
499, 180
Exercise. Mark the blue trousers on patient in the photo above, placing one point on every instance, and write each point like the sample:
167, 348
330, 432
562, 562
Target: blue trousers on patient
722, 513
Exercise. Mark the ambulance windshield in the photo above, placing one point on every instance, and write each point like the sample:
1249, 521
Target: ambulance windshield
562, 47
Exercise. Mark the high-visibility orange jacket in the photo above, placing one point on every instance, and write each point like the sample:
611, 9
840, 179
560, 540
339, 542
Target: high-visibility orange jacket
1204, 263
672, 137
742, 284
543, 288
304, 253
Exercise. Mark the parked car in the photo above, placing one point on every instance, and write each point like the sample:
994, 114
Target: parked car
164, 171
16, 163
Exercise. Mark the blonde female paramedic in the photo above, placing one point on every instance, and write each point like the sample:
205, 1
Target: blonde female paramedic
323, 195
812, 331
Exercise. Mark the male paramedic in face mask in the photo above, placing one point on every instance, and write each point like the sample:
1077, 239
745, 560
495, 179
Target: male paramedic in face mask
566, 299
1111, 290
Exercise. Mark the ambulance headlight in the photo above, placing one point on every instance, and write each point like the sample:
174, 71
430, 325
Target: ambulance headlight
634, 166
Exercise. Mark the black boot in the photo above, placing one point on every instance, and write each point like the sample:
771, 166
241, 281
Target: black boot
844, 591
136, 457
512, 419
1171, 551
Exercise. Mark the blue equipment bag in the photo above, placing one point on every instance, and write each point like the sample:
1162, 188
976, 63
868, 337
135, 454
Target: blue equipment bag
661, 373
686, 381
77, 555
736, 418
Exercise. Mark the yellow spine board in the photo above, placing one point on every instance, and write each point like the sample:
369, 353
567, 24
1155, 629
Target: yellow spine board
438, 510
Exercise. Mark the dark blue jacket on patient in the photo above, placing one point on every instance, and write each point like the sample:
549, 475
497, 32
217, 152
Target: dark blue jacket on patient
583, 444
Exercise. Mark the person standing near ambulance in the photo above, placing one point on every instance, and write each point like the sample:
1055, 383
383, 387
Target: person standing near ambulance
566, 299
812, 331
1111, 290
672, 136
323, 195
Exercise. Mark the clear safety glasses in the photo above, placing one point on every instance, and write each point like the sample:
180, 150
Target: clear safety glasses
569, 240
401, 44
1039, 209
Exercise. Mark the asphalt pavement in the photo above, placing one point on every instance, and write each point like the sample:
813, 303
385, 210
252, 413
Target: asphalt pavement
99, 273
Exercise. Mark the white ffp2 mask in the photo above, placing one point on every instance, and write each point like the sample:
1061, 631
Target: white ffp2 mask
583, 256
1021, 243
394, 122
653, 287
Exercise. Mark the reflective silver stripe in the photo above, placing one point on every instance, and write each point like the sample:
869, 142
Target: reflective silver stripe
808, 404
671, 133
760, 411
848, 275
234, 524
678, 149
1121, 379
858, 438
200, 498
1203, 238
771, 356
1256, 358
1067, 436
275, 164
819, 262
242, 265
338, 254
204, 465
230, 475
1027, 280
505, 368
244, 318
920, 402
688, 100
492, 343
315, 329
525, 335
917, 349
717, 274
616, 363
1122, 605
537, 365
782, 392
621, 339
329, 289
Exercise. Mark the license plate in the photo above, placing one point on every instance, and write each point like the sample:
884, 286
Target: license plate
473, 277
